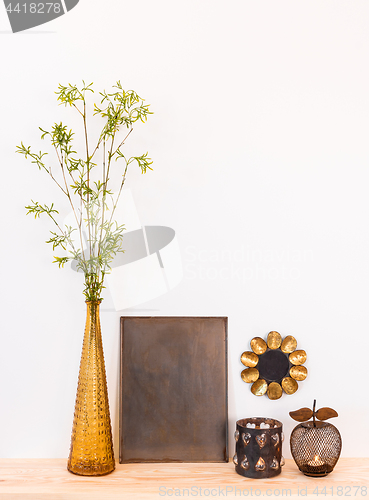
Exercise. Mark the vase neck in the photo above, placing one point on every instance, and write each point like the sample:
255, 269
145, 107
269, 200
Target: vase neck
93, 307
93, 302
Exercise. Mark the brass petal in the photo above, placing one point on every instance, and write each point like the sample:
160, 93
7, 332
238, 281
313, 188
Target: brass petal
249, 358
298, 357
289, 385
274, 390
289, 344
259, 387
250, 375
258, 345
274, 340
298, 372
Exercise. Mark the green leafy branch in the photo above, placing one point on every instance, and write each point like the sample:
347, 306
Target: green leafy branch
37, 209
99, 237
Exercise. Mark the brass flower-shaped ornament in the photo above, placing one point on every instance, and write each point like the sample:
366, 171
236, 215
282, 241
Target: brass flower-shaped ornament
274, 366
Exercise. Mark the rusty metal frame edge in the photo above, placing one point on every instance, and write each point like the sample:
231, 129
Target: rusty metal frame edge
120, 403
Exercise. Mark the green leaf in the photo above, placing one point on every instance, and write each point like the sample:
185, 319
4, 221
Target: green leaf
61, 261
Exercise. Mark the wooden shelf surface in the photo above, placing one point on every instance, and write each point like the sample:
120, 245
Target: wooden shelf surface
44, 479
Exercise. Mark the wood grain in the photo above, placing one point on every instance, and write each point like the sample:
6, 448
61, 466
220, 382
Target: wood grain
31, 479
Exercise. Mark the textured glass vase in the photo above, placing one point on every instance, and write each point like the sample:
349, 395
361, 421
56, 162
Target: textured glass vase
91, 451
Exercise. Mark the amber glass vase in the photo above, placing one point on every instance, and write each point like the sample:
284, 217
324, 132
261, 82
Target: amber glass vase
91, 450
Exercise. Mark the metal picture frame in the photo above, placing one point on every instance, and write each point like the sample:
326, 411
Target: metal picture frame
173, 390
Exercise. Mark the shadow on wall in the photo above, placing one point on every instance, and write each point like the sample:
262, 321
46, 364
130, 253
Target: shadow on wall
150, 265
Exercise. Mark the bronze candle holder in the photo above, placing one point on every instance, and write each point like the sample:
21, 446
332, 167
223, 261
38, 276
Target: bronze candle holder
258, 447
315, 446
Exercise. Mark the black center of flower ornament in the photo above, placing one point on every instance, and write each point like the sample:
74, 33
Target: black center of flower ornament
273, 365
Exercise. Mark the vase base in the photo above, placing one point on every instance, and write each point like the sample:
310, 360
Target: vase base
93, 470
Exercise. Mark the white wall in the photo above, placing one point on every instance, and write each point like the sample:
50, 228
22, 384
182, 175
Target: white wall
260, 141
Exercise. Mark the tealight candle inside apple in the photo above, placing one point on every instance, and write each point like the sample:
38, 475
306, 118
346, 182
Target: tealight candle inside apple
316, 462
